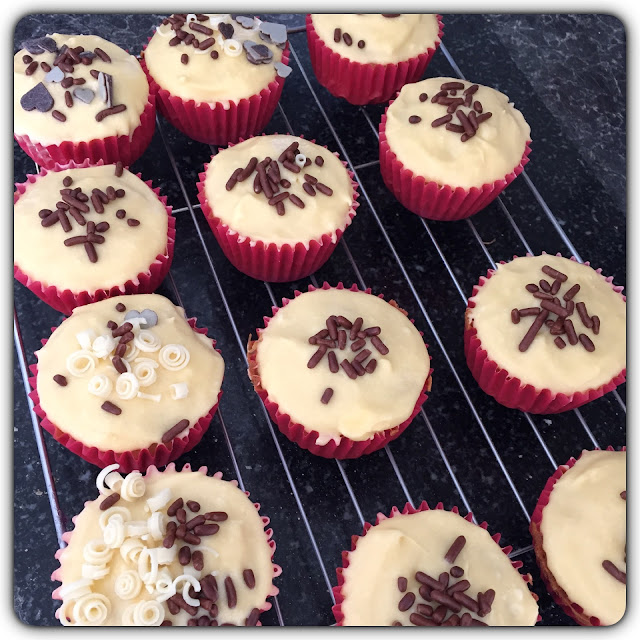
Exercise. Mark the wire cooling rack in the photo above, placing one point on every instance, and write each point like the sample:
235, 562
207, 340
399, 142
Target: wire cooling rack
462, 449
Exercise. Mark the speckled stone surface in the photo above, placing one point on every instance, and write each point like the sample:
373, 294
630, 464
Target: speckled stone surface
567, 75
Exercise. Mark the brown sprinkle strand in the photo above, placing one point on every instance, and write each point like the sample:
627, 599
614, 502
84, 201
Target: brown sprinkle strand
337, 34
456, 572
349, 369
551, 272
109, 407
402, 584
515, 316
532, 288
371, 366
533, 331
560, 343
109, 501
406, 601
316, 357
58, 115
132, 222
173, 508
414, 119
585, 341
60, 379
438, 122
455, 549
249, 578
581, 308
623, 495
327, 395
596, 324
232, 599
175, 430
347, 39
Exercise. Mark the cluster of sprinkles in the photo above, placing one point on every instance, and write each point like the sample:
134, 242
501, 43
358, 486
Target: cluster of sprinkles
268, 179
61, 71
448, 97
189, 29
339, 35
74, 203
339, 332
611, 568
549, 303
447, 599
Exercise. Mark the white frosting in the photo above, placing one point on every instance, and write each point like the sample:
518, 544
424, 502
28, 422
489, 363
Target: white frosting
387, 40
358, 408
439, 155
402, 545
543, 365
585, 524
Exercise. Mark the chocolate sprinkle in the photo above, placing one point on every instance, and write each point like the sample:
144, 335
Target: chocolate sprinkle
109, 501
175, 430
60, 379
230, 589
327, 395
109, 407
455, 549
611, 568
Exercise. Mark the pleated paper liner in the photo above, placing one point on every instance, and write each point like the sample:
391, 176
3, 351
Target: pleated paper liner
124, 148
559, 595
360, 83
220, 124
509, 390
65, 300
306, 438
171, 468
432, 200
268, 261
158, 453
408, 509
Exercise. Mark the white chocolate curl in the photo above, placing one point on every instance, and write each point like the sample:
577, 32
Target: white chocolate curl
136, 528
167, 556
174, 356
62, 614
127, 386
85, 338
100, 385
157, 524
148, 613
94, 571
123, 512
133, 486
114, 532
148, 565
145, 370
232, 48
155, 503
96, 552
103, 346
300, 159
131, 352
75, 590
130, 550
80, 362
147, 341
92, 609
102, 476
164, 584
149, 396
190, 581
127, 585
179, 390
191, 17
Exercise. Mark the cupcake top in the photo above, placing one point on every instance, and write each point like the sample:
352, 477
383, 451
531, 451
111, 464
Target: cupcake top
88, 228
342, 363
279, 189
456, 133
242, 53
76, 88
399, 570
377, 38
584, 533
127, 372
551, 322
146, 543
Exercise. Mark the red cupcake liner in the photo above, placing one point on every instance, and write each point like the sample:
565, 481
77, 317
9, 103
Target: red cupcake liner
125, 148
158, 454
215, 124
559, 595
268, 261
56, 576
430, 199
409, 509
66, 300
509, 390
306, 438
360, 83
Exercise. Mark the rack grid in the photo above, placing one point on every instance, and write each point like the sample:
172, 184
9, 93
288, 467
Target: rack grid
462, 449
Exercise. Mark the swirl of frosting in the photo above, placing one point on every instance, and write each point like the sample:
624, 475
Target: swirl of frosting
174, 356
127, 386
147, 341
92, 609
148, 613
96, 552
100, 385
130, 550
127, 585
145, 370
94, 571
123, 512
133, 486
103, 345
232, 47
113, 533
80, 362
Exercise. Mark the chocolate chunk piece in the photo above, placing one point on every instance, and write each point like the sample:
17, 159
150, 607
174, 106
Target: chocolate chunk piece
226, 30
282, 69
37, 98
257, 53
244, 21
55, 75
84, 95
40, 45
105, 88
275, 31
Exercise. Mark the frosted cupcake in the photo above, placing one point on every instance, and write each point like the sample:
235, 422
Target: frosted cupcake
277, 205
367, 57
449, 147
247, 59
80, 97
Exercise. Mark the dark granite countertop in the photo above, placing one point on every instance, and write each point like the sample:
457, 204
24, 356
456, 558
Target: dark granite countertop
567, 74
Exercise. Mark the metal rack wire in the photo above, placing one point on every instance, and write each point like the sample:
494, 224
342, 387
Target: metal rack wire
59, 518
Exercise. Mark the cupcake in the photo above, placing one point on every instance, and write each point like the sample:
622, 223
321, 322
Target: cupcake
171, 548
579, 537
84, 233
546, 334
341, 372
367, 57
128, 381
449, 147
277, 205
428, 568
218, 76
78, 97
